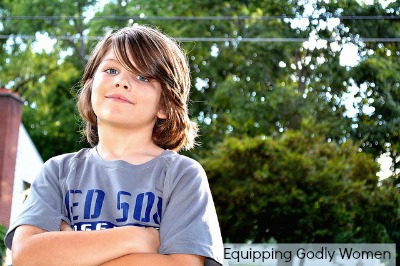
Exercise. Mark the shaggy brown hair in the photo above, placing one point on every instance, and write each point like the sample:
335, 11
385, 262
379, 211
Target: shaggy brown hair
157, 57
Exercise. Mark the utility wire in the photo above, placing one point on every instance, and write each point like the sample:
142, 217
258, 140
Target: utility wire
275, 39
203, 18
209, 39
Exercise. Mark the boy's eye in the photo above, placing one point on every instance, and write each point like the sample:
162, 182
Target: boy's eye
111, 71
141, 78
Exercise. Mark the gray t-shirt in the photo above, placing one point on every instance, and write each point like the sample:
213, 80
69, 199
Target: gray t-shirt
170, 192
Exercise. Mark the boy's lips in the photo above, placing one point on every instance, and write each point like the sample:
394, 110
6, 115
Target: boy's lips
118, 97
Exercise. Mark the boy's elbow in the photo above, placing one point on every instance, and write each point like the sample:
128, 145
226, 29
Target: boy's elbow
17, 256
25, 250
20, 255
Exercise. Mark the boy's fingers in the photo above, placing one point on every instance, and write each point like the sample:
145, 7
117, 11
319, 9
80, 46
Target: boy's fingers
65, 226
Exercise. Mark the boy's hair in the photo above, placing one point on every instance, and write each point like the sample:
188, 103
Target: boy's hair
156, 57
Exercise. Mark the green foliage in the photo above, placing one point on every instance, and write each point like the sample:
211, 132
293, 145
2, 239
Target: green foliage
376, 82
52, 119
3, 231
379, 130
300, 188
47, 81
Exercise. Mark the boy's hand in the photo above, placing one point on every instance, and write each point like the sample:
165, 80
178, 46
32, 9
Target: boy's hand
65, 227
145, 239
141, 239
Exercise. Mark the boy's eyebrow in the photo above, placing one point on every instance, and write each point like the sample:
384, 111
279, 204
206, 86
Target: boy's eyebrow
115, 60
109, 59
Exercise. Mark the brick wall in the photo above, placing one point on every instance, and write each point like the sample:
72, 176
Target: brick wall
10, 119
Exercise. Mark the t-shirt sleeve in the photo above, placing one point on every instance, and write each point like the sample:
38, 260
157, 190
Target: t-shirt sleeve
189, 223
43, 207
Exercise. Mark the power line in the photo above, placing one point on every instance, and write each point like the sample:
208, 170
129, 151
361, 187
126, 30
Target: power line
203, 18
211, 39
67, 38
275, 39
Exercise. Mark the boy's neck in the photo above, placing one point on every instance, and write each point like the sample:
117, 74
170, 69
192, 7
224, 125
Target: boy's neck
133, 147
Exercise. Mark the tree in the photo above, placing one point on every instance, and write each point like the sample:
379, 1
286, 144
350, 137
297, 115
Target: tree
47, 80
374, 79
300, 188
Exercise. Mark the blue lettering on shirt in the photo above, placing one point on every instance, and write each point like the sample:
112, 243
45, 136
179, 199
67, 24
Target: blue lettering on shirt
98, 203
99, 225
84, 207
124, 206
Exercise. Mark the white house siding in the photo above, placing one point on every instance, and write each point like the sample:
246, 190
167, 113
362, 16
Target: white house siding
27, 167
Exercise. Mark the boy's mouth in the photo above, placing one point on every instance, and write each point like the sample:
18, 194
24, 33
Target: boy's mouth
119, 97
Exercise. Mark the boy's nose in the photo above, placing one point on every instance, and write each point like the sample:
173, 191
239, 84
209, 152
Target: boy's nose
118, 85
122, 82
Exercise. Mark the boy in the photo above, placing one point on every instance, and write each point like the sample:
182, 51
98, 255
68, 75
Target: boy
155, 204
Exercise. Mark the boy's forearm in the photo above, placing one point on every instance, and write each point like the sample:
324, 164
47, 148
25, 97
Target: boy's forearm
157, 259
74, 248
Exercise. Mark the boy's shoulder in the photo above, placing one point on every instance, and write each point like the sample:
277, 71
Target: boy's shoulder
81, 154
176, 160
67, 159
181, 168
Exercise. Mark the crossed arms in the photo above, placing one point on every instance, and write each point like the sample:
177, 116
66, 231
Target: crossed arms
127, 245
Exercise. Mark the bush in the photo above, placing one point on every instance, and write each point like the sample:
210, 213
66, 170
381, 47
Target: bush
3, 231
300, 188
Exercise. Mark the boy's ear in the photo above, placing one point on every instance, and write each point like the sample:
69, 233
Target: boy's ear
162, 114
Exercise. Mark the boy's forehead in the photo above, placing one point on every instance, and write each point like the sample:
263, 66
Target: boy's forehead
121, 59
110, 54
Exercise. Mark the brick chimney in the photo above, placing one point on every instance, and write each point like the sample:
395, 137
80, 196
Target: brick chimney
10, 119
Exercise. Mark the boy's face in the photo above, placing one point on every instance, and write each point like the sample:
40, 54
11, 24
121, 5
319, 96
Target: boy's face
123, 99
